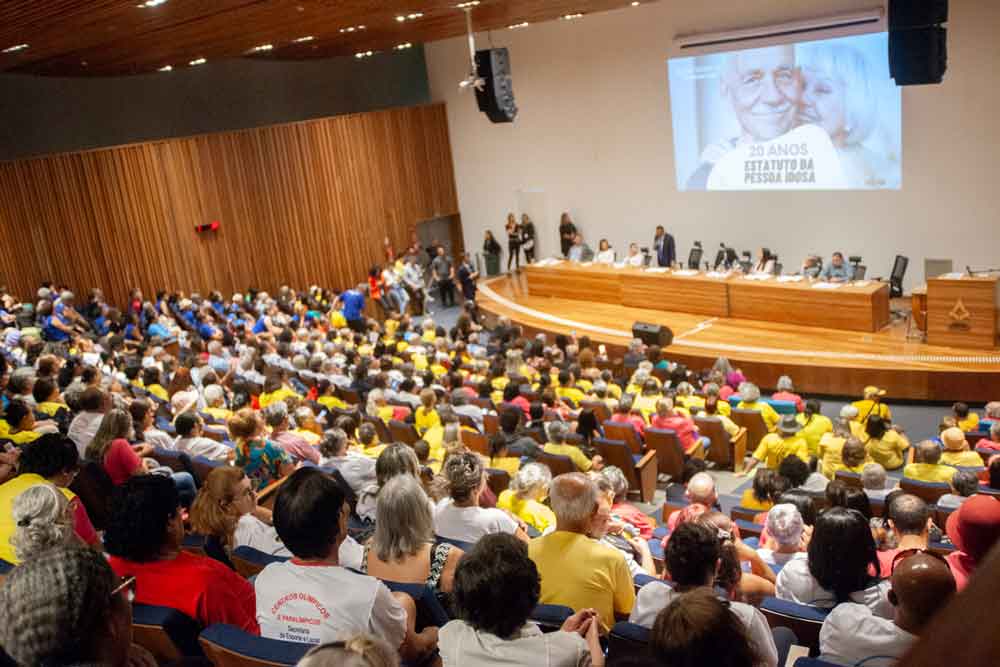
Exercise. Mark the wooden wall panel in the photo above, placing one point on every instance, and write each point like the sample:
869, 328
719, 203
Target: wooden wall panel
299, 204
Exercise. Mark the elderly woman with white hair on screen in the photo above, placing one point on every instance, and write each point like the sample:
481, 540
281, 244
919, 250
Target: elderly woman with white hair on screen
840, 96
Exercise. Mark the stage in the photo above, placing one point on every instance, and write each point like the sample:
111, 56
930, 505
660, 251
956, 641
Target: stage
820, 361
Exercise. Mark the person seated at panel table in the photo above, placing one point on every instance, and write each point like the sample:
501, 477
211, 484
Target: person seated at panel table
605, 253
634, 258
774, 447
811, 267
836, 271
765, 262
926, 466
580, 251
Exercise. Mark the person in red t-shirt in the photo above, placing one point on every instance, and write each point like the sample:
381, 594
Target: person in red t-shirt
623, 415
667, 418
144, 536
786, 392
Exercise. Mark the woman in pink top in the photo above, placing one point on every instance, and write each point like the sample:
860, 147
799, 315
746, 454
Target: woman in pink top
622, 415
667, 418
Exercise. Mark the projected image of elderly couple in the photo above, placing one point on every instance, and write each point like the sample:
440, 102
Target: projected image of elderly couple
819, 115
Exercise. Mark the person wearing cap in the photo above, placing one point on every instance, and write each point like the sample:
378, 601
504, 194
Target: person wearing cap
973, 528
926, 466
871, 404
774, 447
784, 536
750, 400
885, 444
852, 635
956, 450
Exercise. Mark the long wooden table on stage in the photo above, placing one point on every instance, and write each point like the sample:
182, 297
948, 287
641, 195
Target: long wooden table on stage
853, 307
820, 360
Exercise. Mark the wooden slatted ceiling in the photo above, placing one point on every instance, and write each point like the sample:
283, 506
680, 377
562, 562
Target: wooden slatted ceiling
299, 204
110, 37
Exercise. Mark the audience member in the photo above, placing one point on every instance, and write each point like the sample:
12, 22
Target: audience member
699, 629
313, 591
814, 425
874, 481
497, 586
263, 461
956, 450
43, 521
926, 466
357, 469
831, 445
361, 650
750, 400
190, 429
785, 530
596, 577
396, 459
528, 488
839, 567
973, 528
964, 484
871, 404
885, 444
700, 489
557, 445
767, 485
965, 418
623, 510
775, 447
853, 457
785, 391
909, 518
459, 517
144, 537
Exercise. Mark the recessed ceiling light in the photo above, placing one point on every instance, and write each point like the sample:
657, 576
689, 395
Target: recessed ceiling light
149, 4
261, 48
352, 28
636, 3
166, 68
364, 54
515, 26
300, 40
403, 46
409, 17
15, 48
467, 5
570, 17
197, 61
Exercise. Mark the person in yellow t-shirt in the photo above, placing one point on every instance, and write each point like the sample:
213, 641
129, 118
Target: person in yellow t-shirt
499, 458
21, 424
275, 390
426, 415
152, 383
885, 445
215, 403
567, 388
576, 571
774, 447
831, 447
368, 440
750, 395
871, 404
712, 392
956, 450
854, 458
645, 403
927, 467
760, 495
814, 425
557, 445
967, 420
523, 499
326, 398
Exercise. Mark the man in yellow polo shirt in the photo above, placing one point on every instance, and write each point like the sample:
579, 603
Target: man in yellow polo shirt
775, 447
557, 445
926, 467
576, 571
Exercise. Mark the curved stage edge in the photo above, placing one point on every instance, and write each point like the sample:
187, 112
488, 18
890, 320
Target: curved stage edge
820, 361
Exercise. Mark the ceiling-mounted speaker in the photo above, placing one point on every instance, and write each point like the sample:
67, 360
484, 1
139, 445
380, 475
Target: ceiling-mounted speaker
496, 96
918, 43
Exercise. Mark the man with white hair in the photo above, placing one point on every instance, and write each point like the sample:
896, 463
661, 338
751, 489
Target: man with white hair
873, 481
784, 542
700, 490
785, 391
276, 415
576, 571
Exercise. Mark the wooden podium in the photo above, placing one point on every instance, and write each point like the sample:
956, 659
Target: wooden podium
962, 311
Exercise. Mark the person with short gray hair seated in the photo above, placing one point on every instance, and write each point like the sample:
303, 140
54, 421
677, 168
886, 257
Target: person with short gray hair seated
295, 445
964, 484
557, 432
576, 571
874, 481
461, 406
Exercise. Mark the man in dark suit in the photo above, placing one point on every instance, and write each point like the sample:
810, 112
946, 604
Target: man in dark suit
663, 244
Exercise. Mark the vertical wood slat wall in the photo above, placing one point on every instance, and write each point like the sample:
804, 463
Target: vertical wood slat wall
299, 204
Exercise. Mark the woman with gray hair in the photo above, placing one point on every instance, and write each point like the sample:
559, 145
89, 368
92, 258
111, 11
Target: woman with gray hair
396, 459
42, 521
459, 517
523, 499
623, 510
750, 400
66, 607
403, 547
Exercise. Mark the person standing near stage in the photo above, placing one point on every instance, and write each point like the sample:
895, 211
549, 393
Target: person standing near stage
352, 307
513, 242
567, 232
467, 276
444, 276
528, 238
663, 244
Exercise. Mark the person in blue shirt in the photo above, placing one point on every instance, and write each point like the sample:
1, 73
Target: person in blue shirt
836, 271
352, 304
57, 325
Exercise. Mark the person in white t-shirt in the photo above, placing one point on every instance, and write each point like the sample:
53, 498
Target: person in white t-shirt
190, 440
784, 530
497, 586
143, 415
312, 598
841, 558
605, 253
357, 469
460, 517
922, 585
634, 257
692, 559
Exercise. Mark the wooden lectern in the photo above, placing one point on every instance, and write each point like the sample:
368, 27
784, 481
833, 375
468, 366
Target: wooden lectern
962, 311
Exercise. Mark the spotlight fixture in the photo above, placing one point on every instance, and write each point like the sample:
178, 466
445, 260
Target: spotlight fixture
364, 54
403, 46
409, 17
516, 26
570, 17
352, 28
149, 4
15, 48
301, 40
197, 61
467, 5
261, 48
166, 68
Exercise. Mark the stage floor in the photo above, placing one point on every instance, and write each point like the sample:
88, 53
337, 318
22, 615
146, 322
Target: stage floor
820, 361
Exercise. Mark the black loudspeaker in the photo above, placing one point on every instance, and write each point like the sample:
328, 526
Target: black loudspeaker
496, 99
653, 334
918, 52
